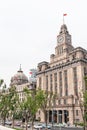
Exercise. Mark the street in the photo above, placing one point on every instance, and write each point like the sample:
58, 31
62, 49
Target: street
59, 128
53, 128
66, 128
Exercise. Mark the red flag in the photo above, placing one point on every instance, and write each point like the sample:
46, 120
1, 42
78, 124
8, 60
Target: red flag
30, 73
64, 14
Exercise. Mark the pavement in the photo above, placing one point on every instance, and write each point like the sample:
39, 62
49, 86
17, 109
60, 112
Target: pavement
5, 128
67, 128
53, 128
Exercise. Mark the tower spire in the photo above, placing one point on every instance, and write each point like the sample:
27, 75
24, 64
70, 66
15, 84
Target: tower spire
20, 67
20, 70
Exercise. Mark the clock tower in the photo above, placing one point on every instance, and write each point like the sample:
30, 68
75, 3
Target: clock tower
64, 43
64, 36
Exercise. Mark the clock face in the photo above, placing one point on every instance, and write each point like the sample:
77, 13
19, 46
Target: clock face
60, 39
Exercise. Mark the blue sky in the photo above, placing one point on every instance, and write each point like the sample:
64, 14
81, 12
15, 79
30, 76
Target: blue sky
28, 31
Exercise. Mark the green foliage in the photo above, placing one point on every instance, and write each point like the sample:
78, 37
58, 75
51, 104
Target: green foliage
79, 124
8, 101
1, 82
18, 129
18, 115
13, 100
85, 98
85, 78
85, 102
32, 102
48, 99
4, 101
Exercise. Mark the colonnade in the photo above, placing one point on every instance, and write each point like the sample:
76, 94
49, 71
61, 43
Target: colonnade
57, 116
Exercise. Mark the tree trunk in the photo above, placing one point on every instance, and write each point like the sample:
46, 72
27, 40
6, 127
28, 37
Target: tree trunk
26, 122
26, 125
13, 122
4, 121
32, 124
45, 114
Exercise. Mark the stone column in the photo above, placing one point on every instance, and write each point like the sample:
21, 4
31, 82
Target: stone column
57, 116
48, 116
71, 119
62, 116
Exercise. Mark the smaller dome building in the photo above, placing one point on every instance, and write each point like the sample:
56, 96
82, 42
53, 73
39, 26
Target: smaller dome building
20, 81
19, 78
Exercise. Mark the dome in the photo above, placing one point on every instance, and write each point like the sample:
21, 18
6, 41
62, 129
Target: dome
19, 78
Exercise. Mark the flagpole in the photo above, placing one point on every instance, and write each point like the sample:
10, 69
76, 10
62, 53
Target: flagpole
63, 19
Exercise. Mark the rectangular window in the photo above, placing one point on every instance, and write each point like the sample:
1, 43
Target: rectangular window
59, 102
39, 82
66, 83
55, 82
60, 83
65, 101
76, 101
75, 81
85, 73
51, 83
47, 83
76, 112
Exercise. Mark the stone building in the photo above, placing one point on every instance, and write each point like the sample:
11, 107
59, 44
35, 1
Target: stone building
20, 81
64, 75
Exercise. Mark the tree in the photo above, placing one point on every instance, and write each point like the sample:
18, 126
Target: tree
4, 107
13, 102
83, 103
1, 82
31, 104
85, 106
9, 101
48, 102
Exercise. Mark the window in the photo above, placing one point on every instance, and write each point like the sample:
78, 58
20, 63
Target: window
65, 83
64, 101
85, 73
59, 102
40, 82
76, 112
55, 82
51, 83
47, 82
76, 101
60, 50
60, 83
75, 81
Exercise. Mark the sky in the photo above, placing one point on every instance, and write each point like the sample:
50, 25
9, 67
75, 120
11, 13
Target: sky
29, 28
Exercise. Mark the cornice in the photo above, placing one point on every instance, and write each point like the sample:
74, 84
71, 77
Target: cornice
61, 66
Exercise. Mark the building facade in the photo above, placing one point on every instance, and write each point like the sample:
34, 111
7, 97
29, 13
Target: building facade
64, 75
20, 81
